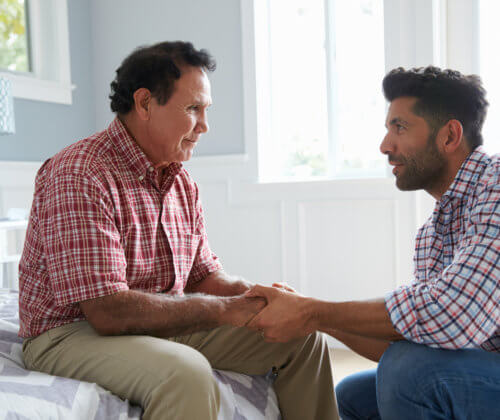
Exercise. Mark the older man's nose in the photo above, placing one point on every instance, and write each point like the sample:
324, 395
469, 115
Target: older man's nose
202, 125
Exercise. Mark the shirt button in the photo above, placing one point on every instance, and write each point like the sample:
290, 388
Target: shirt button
141, 177
151, 169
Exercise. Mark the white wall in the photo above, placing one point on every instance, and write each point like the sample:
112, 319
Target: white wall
335, 240
44, 128
119, 26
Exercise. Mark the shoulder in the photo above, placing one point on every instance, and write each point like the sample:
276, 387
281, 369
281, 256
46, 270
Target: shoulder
85, 159
491, 174
483, 205
488, 184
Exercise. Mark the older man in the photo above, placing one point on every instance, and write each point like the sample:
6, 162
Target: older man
118, 284
438, 340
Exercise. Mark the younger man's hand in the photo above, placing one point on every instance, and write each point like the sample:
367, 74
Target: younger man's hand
287, 315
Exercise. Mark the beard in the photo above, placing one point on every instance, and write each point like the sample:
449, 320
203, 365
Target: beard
423, 170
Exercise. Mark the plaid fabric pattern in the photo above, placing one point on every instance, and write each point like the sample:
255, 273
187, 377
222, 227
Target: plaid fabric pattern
100, 223
454, 301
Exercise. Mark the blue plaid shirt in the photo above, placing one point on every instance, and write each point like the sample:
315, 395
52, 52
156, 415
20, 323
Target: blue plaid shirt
454, 300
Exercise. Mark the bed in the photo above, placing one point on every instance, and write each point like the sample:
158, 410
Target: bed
30, 395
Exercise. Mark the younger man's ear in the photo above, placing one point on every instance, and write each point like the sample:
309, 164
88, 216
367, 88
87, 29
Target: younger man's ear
453, 136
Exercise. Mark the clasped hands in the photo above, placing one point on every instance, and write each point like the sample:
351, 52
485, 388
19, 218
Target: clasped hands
283, 316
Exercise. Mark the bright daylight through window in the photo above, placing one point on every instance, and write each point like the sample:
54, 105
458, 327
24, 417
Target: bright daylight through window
489, 69
321, 111
14, 39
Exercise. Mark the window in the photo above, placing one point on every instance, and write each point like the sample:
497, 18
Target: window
14, 48
472, 42
319, 67
35, 49
489, 69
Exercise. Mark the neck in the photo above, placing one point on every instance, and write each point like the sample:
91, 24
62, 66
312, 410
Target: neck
451, 169
137, 133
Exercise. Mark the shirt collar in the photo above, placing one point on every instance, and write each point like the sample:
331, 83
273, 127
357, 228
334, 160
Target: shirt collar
132, 154
467, 176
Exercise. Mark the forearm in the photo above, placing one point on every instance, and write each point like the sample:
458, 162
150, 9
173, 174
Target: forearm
371, 348
219, 283
134, 312
363, 318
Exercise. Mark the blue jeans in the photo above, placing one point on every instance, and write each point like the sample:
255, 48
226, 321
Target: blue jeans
413, 381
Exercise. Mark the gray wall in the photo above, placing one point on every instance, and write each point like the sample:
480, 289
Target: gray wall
44, 128
118, 26
102, 33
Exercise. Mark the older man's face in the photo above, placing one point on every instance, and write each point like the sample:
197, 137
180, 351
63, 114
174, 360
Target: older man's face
174, 129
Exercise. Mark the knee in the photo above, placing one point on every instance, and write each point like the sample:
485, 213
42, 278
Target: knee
187, 389
311, 345
394, 374
346, 388
346, 392
343, 392
405, 363
396, 359
315, 341
192, 372
187, 374
403, 371
356, 395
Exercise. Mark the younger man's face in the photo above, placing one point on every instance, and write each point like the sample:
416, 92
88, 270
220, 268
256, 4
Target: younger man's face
411, 148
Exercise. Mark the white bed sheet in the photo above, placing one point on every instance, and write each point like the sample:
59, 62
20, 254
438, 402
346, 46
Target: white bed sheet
32, 395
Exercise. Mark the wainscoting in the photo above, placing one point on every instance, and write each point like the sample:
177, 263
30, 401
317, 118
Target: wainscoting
335, 240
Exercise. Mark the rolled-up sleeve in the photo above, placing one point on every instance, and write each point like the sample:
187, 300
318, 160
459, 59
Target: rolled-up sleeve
82, 245
460, 307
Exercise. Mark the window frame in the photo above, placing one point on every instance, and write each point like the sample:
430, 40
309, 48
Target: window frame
415, 34
50, 77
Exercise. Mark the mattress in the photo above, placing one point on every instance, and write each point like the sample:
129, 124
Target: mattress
27, 394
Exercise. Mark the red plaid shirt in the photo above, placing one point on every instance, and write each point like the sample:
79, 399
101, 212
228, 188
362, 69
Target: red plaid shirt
100, 223
454, 301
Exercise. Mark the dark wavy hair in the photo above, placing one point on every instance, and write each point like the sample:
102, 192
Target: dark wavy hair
442, 95
156, 68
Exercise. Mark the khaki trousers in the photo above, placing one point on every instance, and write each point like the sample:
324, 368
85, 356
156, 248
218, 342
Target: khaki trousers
172, 378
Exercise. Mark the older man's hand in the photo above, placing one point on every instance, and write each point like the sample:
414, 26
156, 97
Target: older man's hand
287, 315
239, 310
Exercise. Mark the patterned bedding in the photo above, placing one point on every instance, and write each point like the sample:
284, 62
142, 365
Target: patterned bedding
32, 395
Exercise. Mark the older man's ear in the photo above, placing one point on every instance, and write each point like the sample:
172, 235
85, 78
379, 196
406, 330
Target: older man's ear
142, 101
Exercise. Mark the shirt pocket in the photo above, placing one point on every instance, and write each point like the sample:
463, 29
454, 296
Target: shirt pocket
185, 249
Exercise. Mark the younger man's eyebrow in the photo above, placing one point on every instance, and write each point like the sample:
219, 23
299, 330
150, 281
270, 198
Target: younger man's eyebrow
398, 120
